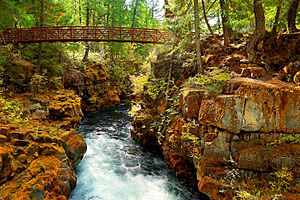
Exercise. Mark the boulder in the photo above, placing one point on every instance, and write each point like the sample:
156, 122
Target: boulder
255, 106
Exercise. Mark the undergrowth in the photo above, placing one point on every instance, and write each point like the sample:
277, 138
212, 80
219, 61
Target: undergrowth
212, 82
11, 110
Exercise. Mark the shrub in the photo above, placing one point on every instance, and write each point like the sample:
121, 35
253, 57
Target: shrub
11, 109
212, 82
282, 180
155, 87
56, 82
38, 83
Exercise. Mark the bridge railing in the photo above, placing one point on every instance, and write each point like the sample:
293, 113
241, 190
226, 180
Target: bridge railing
84, 33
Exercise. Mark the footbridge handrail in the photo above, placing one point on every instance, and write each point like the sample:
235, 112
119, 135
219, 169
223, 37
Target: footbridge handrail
84, 33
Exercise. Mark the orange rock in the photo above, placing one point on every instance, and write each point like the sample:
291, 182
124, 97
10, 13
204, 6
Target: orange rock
255, 106
212, 188
191, 101
297, 78
162, 106
113, 95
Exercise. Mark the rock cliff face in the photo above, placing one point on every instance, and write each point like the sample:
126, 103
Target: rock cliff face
38, 155
243, 142
96, 86
232, 140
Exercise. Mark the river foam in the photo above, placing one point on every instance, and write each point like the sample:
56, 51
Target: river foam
116, 168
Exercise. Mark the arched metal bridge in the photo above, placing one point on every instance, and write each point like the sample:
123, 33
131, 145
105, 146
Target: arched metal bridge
84, 33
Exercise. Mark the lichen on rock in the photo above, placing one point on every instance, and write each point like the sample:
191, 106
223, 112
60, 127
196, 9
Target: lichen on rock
38, 155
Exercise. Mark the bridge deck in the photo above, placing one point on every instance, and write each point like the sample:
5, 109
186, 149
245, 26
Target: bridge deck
84, 33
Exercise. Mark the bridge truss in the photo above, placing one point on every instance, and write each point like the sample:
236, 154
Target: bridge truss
84, 33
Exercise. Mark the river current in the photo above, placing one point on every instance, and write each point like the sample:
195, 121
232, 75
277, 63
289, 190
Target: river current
116, 168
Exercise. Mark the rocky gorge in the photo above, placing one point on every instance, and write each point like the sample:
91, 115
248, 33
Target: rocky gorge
236, 137
39, 154
40, 146
230, 133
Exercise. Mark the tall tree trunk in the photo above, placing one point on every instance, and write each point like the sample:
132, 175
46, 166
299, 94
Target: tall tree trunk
94, 19
87, 23
276, 19
259, 33
112, 45
40, 44
208, 25
225, 22
292, 14
134, 13
79, 12
198, 42
108, 15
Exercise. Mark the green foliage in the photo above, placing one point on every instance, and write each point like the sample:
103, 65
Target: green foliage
38, 83
193, 142
212, 82
118, 73
55, 82
165, 118
2, 60
243, 195
282, 180
155, 87
287, 139
120, 78
11, 109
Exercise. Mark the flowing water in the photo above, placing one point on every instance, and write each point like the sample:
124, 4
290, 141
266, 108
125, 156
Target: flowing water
116, 168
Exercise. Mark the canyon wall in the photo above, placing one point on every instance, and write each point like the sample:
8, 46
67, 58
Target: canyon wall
231, 140
38, 154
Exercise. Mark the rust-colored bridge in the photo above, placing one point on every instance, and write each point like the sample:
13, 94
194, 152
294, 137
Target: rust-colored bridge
84, 33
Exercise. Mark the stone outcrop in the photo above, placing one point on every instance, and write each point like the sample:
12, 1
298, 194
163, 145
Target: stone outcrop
38, 155
236, 140
96, 86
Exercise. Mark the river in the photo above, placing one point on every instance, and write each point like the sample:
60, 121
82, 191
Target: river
117, 168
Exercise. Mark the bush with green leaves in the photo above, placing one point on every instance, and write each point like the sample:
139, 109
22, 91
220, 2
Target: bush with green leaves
212, 82
287, 139
163, 120
155, 87
282, 180
55, 83
38, 83
11, 110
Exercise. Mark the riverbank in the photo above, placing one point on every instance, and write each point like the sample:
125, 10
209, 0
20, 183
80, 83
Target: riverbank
39, 145
116, 167
232, 132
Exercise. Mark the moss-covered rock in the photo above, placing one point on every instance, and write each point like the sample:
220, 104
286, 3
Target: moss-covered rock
38, 155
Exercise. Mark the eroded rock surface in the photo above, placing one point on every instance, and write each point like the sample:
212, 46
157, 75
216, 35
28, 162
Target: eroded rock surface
96, 86
235, 140
38, 155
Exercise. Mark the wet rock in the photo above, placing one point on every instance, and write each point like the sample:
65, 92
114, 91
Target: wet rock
36, 194
217, 152
4, 130
32, 108
243, 135
270, 108
74, 146
224, 111
182, 166
65, 104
